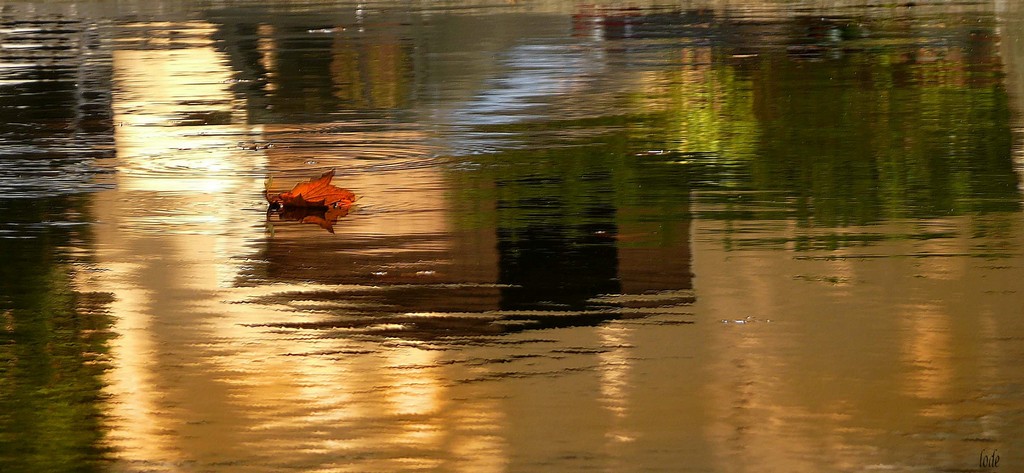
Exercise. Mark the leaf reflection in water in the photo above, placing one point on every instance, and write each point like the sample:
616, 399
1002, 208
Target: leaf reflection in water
316, 201
323, 216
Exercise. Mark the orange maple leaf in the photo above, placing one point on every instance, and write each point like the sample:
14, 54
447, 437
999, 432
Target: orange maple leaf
315, 193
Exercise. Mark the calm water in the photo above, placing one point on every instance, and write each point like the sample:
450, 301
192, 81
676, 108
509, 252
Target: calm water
715, 236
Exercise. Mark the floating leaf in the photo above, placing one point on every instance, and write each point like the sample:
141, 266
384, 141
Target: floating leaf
315, 193
316, 201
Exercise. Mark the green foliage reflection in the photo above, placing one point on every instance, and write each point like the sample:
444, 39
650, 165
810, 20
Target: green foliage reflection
52, 345
837, 134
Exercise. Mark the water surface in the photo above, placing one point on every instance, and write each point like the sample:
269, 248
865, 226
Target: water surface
703, 237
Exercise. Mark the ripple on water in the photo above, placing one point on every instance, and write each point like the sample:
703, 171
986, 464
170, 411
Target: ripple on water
448, 314
56, 138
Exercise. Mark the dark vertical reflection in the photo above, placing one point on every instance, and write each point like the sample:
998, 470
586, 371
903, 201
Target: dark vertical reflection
575, 223
52, 345
55, 116
55, 127
563, 256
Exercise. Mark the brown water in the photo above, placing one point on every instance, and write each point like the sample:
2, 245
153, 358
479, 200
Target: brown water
717, 236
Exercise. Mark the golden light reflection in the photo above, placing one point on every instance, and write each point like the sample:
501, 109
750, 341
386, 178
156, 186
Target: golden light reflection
615, 367
135, 405
478, 444
927, 350
196, 377
615, 386
928, 343
268, 52
166, 233
155, 91
416, 391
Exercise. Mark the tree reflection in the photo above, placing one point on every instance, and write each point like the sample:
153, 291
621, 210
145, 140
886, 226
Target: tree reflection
52, 346
849, 129
910, 131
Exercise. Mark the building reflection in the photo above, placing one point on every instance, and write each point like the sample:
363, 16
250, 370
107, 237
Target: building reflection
186, 382
513, 268
163, 237
187, 386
